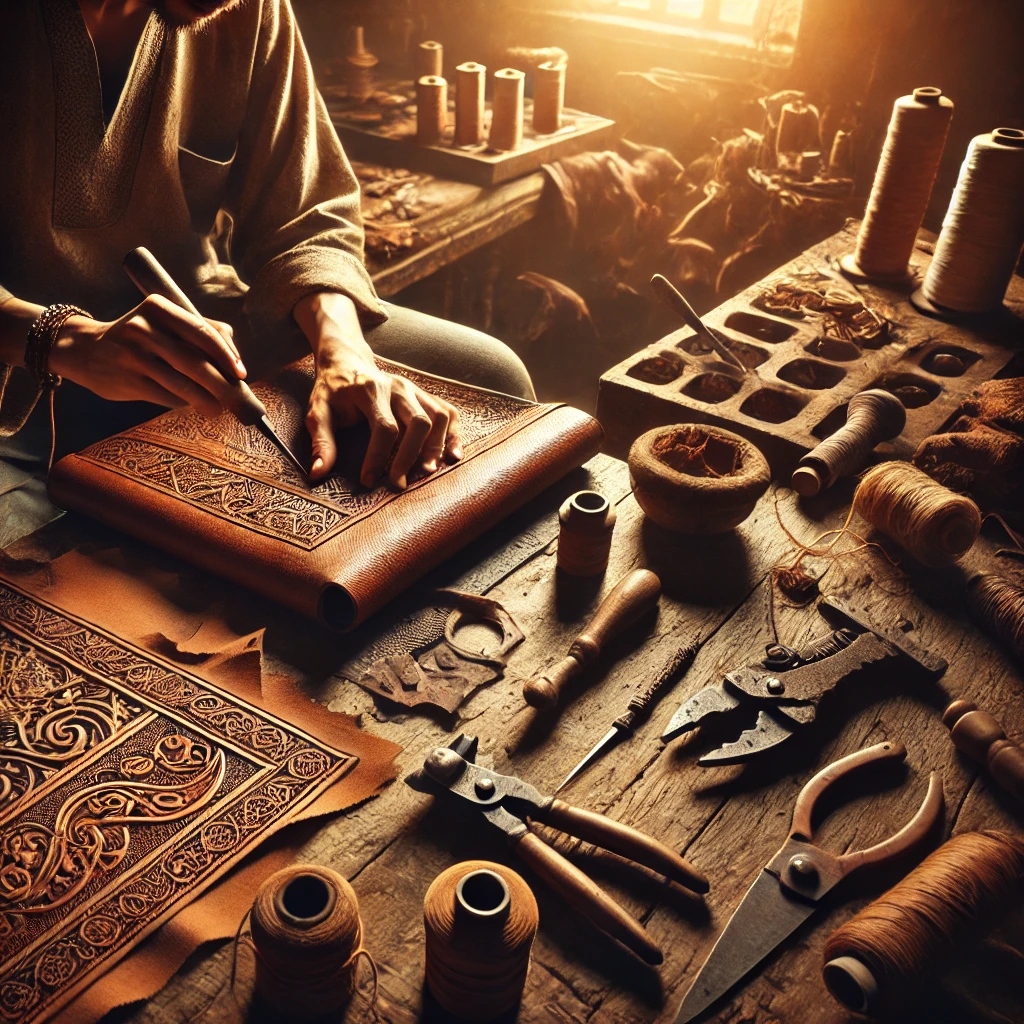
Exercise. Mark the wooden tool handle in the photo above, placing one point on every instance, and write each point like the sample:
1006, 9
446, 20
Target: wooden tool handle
640, 703
980, 735
581, 893
635, 594
625, 841
152, 279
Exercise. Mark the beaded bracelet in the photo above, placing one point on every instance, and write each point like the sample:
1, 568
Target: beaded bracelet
41, 337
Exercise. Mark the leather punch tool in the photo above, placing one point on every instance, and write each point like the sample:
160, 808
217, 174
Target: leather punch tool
511, 805
781, 693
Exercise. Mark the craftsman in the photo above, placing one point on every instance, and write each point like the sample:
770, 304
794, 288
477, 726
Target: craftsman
194, 127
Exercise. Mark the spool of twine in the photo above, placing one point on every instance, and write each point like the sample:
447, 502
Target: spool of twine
983, 229
902, 186
480, 920
507, 109
548, 97
798, 129
998, 607
585, 524
840, 158
359, 65
871, 417
934, 524
879, 959
431, 110
307, 936
429, 59
469, 103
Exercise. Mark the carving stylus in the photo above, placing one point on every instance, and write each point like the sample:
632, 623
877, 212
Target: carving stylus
151, 279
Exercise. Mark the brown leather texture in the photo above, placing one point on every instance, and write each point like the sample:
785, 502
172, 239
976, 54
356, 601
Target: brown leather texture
222, 496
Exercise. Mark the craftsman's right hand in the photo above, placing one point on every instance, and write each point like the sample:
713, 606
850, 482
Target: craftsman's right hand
157, 353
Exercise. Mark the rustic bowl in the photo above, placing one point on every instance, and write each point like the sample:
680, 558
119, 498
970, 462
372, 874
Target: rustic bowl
693, 478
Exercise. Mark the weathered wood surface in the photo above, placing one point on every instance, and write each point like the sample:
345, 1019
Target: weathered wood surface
728, 821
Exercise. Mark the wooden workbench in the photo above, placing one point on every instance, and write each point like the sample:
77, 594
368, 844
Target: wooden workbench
728, 821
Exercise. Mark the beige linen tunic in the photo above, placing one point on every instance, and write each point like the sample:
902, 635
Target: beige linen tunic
220, 158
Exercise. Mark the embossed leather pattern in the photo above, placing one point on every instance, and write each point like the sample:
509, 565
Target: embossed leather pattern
127, 786
222, 496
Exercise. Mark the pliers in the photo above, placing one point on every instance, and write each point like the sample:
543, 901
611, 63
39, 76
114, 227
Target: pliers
511, 805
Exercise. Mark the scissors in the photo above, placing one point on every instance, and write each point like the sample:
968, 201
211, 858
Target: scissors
793, 883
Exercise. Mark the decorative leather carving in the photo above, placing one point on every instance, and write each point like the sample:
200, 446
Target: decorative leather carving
126, 787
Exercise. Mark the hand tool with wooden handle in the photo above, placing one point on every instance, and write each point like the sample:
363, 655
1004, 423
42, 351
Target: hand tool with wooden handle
980, 736
630, 598
151, 279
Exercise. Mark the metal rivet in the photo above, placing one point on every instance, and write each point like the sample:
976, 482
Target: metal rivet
803, 871
776, 685
484, 787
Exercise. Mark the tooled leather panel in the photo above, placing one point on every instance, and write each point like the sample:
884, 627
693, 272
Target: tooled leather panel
126, 787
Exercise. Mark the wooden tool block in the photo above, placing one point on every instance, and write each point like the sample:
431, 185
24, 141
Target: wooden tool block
798, 398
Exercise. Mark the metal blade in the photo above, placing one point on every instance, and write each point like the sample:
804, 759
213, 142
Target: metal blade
762, 921
711, 700
767, 733
610, 739
263, 425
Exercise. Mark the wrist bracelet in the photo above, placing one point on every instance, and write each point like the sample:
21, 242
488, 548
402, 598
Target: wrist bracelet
41, 337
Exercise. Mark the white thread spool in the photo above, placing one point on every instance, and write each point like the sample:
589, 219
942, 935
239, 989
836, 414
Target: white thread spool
983, 230
469, 104
902, 186
429, 59
507, 109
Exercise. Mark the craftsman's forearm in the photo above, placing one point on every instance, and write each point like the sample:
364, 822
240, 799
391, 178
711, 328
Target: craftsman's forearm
16, 317
330, 321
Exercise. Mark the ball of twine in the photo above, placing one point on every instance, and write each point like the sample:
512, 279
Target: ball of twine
478, 950
998, 606
935, 525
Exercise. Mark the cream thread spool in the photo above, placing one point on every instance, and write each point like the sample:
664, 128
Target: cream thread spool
548, 98
470, 80
507, 110
431, 110
429, 59
586, 522
902, 186
982, 232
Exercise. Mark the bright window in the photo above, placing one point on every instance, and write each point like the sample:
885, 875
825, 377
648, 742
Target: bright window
773, 21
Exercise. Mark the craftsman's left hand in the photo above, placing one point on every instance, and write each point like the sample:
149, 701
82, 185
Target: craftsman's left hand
419, 428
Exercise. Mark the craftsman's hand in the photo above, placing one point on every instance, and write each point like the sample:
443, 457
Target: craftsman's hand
156, 353
419, 428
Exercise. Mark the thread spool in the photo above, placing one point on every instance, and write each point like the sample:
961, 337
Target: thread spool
480, 920
359, 65
998, 607
469, 103
871, 417
431, 110
507, 109
548, 97
902, 186
982, 232
981, 737
840, 158
798, 129
931, 522
586, 521
429, 59
307, 936
880, 958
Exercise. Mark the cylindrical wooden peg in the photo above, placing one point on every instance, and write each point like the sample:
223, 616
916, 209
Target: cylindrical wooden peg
585, 524
430, 60
431, 110
469, 103
507, 109
980, 736
548, 98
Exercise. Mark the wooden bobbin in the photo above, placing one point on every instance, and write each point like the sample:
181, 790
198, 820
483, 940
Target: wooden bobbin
431, 110
430, 59
548, 98
585, 524
980, 736
507, 109
469, 103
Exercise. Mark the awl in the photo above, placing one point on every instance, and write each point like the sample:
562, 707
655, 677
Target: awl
151, 279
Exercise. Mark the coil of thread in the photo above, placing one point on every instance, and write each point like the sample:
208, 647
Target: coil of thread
480, 920
881, 957
507, 109
586, 522
840, 157
871, 418
983, 229
359, 65
998, 607
430, 59
902, 186
469, 103
980, 736
931, 522
548, 97
431, 110
799, 131
307, 935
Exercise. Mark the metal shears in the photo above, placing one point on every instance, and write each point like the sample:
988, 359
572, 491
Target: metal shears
511, 805
782, 692
793, 883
